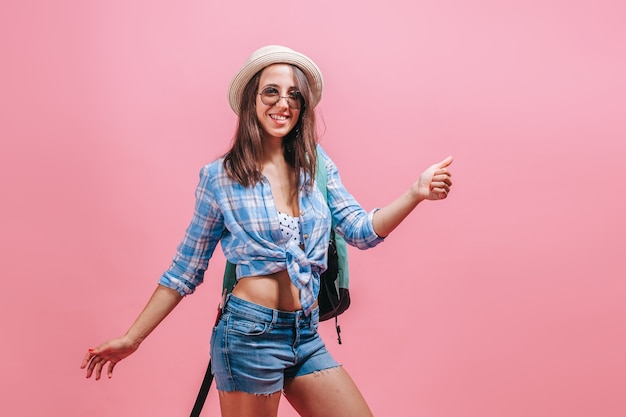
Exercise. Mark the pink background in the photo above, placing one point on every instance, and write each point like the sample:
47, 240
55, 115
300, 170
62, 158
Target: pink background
507, 299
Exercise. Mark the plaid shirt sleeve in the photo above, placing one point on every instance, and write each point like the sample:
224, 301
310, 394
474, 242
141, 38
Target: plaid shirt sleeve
351, 221
203, 233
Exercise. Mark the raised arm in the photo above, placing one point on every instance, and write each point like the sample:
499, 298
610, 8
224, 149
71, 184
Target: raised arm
433, 184
161, 303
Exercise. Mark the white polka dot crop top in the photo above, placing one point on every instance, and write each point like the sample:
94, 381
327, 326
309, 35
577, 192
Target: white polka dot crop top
291, 227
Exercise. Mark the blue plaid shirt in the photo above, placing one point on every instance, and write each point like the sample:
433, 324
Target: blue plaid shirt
245, 220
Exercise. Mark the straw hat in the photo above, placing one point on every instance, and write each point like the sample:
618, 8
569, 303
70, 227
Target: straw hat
268, 55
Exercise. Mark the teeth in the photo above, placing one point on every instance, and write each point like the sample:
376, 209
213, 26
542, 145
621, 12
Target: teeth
277, 117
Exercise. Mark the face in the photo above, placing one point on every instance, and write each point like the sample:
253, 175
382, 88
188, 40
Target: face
278, 119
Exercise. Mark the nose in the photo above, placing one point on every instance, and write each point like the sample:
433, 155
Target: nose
282, 102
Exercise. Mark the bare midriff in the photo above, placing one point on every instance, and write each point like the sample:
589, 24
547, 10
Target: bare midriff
274, 291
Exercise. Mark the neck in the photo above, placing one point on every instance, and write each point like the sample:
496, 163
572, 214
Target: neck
273, 150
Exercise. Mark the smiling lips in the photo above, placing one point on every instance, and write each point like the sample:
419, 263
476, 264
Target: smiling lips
280, 119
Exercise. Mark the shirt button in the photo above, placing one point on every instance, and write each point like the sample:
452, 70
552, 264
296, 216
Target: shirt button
306, 236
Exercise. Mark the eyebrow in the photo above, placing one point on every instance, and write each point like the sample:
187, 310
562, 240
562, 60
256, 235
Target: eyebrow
293, 87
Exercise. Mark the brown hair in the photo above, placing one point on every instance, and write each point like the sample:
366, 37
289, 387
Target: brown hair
242, 161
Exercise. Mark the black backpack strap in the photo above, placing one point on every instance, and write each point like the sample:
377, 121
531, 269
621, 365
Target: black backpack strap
208, 375
204, 391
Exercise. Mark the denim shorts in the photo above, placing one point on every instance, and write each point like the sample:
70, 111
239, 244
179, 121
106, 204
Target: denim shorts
254, 348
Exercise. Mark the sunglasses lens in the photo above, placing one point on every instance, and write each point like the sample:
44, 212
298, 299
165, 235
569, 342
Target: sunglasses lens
295, 100
270, 96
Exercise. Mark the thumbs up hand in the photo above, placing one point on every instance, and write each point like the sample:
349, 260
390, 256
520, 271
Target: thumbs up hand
434, 183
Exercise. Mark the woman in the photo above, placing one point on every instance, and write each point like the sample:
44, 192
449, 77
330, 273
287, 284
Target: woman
261, 202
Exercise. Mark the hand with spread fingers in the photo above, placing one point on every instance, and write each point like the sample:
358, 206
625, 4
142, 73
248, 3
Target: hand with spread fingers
435, 181
110, 353
161, 303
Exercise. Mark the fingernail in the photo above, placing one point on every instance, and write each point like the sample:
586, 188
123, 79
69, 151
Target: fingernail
90, 350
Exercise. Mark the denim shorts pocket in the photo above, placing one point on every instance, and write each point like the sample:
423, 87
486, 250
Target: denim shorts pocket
247, 327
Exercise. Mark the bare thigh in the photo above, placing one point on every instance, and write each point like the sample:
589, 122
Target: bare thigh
242, 404
328, 393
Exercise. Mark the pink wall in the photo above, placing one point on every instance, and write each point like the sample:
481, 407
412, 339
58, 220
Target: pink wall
509, 295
